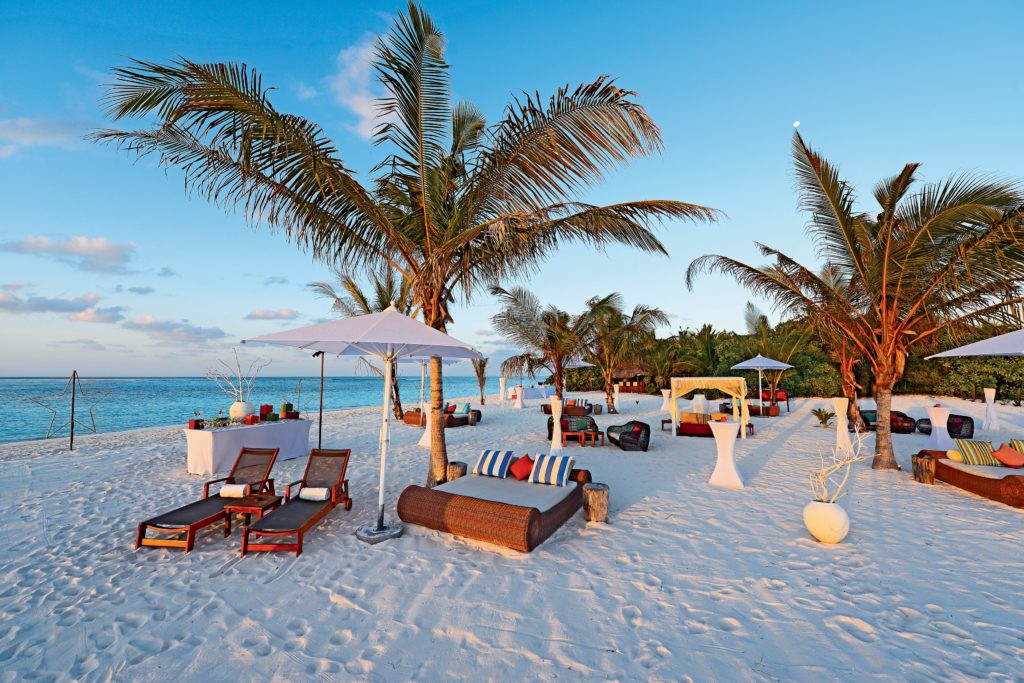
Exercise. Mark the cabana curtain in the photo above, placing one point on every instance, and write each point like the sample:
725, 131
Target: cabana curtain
736, 387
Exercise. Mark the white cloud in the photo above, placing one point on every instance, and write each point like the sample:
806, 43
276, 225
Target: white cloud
99, 315
11, 303
170, 331
142, 291
167, 271
353, 85
96, 254
305, 91
275, 280
13, 286
22, 133
280, 314
82, 344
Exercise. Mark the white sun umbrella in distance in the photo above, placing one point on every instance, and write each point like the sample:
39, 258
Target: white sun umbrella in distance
423, 370
760, 363
388, 336
1010, 344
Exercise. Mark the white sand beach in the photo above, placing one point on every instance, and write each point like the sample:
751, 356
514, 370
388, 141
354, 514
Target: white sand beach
687, 582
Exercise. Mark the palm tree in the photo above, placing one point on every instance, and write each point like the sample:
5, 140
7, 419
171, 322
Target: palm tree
480, 368
778, 343
664, 361
699, 351
454, 206
942, 258
386, 289
618, 339
551, 338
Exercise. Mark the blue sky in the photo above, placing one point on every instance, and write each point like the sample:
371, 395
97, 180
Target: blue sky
106, 266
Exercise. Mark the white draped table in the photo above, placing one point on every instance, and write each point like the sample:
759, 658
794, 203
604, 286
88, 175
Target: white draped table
939, 439
214, 451
991, 418
725, 475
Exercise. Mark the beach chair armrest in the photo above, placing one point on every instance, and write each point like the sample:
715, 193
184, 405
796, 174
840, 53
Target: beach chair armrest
206, 486
288, 488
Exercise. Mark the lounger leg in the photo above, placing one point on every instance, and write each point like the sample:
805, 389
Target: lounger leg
139, 536
245, 541
227, 525
298, 547
190, 540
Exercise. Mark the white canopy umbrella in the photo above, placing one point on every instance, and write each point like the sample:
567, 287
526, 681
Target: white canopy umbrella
1009, 344
387, 335
760, 363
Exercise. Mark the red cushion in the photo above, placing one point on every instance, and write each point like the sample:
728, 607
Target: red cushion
521, 468
1008, 456
450, 408
636, 428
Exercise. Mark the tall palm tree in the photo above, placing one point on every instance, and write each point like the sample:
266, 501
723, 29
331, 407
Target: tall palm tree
386, 289
778, 343
699, 351
664, 361
455, 205
480, 368
941, 258
619, 339
551, 338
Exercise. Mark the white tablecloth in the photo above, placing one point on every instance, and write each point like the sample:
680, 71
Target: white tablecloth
725, 475
939, 439
214, 451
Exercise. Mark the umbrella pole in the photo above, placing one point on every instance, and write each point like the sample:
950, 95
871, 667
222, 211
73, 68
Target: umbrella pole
423, 378
760, 393
380, 532
320, 422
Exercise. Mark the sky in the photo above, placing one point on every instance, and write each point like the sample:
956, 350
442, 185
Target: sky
108, 267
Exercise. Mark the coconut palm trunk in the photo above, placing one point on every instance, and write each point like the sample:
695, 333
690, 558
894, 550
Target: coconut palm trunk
438, 471
396, 397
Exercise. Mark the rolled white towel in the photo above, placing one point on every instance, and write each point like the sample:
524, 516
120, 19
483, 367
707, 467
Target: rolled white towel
233, 491
315, 493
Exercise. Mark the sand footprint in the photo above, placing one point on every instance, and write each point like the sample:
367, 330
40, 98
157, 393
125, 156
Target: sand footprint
729, 624
857, 628
632, 614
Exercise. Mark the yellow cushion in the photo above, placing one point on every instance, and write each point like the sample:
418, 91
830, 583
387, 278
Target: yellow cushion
689, 418
954, 456
719, 416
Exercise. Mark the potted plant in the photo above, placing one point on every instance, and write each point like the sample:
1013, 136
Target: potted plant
238, 385
824, 416
824, 517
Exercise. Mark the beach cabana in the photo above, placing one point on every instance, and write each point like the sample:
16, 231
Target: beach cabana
735, 387
388, 336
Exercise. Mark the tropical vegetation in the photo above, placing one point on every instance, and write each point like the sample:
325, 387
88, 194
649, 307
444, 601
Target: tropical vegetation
453, 206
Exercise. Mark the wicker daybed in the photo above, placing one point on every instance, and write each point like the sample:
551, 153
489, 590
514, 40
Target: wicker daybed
513, 526
1001, 484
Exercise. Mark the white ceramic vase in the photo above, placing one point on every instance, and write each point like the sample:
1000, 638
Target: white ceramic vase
827, 522
241, 409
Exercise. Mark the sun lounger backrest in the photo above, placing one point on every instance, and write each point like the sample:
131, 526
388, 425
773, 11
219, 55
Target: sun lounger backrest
326, 467
253, 465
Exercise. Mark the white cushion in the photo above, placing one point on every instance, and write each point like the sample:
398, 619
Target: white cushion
509, 491
987, 471
233, 491
493, 463
315, 493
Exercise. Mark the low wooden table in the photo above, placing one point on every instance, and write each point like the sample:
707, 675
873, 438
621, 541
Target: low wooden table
595, 502
924, 467
666, 422
248, 506
457, 469
580, 437
593, 436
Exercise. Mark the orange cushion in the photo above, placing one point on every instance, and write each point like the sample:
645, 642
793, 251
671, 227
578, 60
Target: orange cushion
570, 403
1008, 456
522, 467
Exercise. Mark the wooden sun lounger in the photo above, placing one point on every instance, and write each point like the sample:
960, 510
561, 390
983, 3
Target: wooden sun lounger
513, 526
325, 468
252, 468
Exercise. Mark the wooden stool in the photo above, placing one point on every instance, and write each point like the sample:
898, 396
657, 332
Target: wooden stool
456, 469
595, 502
924, 468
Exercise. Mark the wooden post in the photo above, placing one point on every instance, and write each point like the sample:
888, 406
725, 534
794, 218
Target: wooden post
595, 502
456, 469
924, 468
74, 381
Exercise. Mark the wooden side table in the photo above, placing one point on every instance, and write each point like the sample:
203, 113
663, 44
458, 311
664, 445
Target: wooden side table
248, 506
579, 436
593, 436
924, 467
456, 469
595, 502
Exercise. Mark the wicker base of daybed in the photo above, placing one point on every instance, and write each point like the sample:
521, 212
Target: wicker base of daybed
512, 526
1008, 490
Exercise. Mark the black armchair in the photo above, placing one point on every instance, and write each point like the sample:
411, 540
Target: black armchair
632, 436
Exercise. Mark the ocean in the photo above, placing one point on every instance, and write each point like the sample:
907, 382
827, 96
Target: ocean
136, 402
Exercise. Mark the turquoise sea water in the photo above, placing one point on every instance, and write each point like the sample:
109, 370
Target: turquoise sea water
136, 402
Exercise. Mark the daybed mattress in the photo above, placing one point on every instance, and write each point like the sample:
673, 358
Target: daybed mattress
510, 491
987, 471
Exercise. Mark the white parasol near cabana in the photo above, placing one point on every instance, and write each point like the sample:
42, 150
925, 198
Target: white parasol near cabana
388, 336
760, 363
1010, 344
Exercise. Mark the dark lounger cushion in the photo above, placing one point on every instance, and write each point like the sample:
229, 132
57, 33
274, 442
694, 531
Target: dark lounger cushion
191, 513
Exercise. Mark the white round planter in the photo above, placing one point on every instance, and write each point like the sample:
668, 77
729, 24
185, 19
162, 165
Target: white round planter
827, 522
241, 409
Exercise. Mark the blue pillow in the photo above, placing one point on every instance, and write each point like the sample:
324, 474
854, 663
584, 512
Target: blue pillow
551, 469
493, 463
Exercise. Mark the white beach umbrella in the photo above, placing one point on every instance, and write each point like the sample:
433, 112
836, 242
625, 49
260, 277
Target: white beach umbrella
1009, 345
387, 335
760, 363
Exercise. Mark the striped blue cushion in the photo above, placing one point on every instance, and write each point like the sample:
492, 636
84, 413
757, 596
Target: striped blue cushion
493, 463
551, 469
